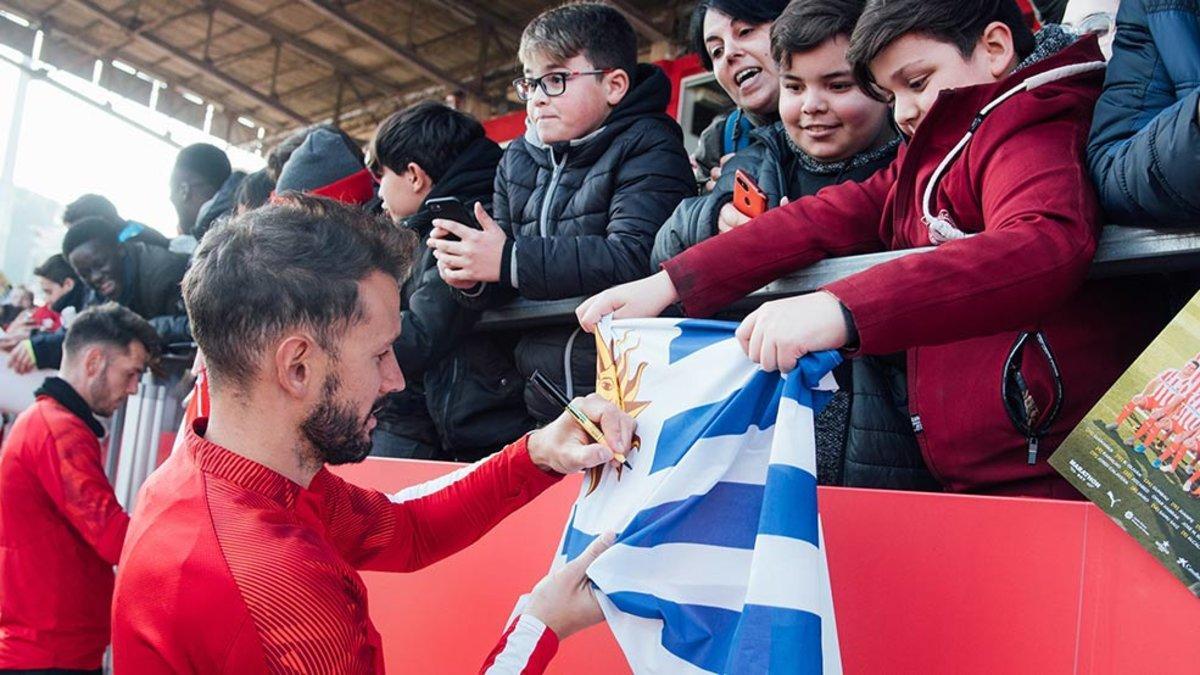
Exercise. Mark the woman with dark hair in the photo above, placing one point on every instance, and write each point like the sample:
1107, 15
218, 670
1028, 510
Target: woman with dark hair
733, 40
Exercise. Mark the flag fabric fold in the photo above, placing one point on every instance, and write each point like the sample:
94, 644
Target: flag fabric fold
718, 566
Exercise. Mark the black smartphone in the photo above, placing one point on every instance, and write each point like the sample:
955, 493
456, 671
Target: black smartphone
449, 208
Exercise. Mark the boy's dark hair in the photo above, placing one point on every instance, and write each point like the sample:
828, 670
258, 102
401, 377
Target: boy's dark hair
597, 31
750, 11
90, 205
957, 22
429, 134
254, 190
293, 263
805, 25
207, 162
111, 324
56, 269
88, 229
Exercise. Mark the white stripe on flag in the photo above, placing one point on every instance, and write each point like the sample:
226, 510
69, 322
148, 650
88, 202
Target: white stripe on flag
794, 433
784, 574
687, 574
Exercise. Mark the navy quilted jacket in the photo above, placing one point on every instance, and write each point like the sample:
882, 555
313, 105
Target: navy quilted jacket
1144, 151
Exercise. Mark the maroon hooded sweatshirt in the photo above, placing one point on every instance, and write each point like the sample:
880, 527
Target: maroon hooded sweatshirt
1019, 192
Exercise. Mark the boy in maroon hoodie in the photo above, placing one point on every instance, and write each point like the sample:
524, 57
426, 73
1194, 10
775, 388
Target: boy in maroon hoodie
1007, 345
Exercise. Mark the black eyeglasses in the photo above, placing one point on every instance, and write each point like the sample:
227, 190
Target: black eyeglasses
553, 84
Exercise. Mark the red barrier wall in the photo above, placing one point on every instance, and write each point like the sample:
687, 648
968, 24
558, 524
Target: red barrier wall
923, 583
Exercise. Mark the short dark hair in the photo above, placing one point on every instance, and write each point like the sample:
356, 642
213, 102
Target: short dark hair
254, 190
292, 263
431, 135
56, 269
599, 32
805, 25
755, 12
111, 324
957, 22
90, 205
89, 229
207, 162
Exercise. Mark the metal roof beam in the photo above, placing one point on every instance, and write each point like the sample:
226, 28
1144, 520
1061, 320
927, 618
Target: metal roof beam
100, 52
640, 22
380, 41
305, 48
157, 43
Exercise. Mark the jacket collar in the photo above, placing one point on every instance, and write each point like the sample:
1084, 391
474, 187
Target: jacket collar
246, 473
61, 391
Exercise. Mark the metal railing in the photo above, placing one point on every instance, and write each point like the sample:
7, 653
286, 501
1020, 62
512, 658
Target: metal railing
1122, 251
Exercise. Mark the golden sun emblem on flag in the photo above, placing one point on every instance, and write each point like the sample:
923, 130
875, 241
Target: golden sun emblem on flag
617, 385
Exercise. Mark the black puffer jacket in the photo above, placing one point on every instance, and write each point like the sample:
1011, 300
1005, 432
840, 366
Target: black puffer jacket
581, 217
472, 392
777, 169
152, 275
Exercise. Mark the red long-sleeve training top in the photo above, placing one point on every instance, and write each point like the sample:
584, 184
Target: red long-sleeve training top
229, 567
61, 529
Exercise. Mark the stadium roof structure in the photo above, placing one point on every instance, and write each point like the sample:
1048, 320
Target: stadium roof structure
250, 71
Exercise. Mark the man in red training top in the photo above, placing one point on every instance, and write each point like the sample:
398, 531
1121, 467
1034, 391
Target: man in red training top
61, 527
244, 550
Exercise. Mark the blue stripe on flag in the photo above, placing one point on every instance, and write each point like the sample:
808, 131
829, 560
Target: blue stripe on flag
698, 634
789, 506
725, 516
574, 540
755, 404
696, 334
776, 640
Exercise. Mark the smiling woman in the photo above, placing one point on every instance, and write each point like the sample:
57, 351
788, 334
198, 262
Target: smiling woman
733, 40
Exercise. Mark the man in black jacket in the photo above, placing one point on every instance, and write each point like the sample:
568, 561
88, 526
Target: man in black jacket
472, 394
580, 197
143, 278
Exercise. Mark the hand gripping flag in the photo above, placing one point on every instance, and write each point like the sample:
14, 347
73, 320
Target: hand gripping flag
718, 565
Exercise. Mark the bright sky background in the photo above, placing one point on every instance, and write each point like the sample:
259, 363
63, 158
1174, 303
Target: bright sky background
68, 147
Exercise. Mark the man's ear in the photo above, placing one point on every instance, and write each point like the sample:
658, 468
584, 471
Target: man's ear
616, 85
418, 178
93, 360
296, 361
68, 284
998, 49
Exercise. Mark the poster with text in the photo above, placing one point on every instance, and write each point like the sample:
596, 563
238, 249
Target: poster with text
1137, 452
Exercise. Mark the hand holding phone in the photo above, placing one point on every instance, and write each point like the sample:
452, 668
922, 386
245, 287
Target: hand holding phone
449, 208
748, 198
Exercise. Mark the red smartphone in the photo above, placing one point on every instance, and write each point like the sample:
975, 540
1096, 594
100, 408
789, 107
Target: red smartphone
747, 197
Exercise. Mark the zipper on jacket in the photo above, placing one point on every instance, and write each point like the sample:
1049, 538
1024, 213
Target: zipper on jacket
548, 198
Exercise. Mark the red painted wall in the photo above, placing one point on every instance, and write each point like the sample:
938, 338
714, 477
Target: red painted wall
923, 583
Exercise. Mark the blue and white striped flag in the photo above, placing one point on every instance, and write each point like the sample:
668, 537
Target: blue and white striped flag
718, 566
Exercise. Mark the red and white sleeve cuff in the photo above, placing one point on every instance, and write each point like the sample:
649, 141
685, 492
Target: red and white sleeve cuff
525, 649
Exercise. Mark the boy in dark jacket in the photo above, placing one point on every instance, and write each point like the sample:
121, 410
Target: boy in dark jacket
580, 197
472, 392
1145, 144
1007, 346
143, 278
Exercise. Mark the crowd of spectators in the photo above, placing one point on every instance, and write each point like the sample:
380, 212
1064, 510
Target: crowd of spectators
600, 191
865, 125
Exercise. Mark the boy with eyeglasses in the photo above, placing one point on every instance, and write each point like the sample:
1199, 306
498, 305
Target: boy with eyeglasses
580, 197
